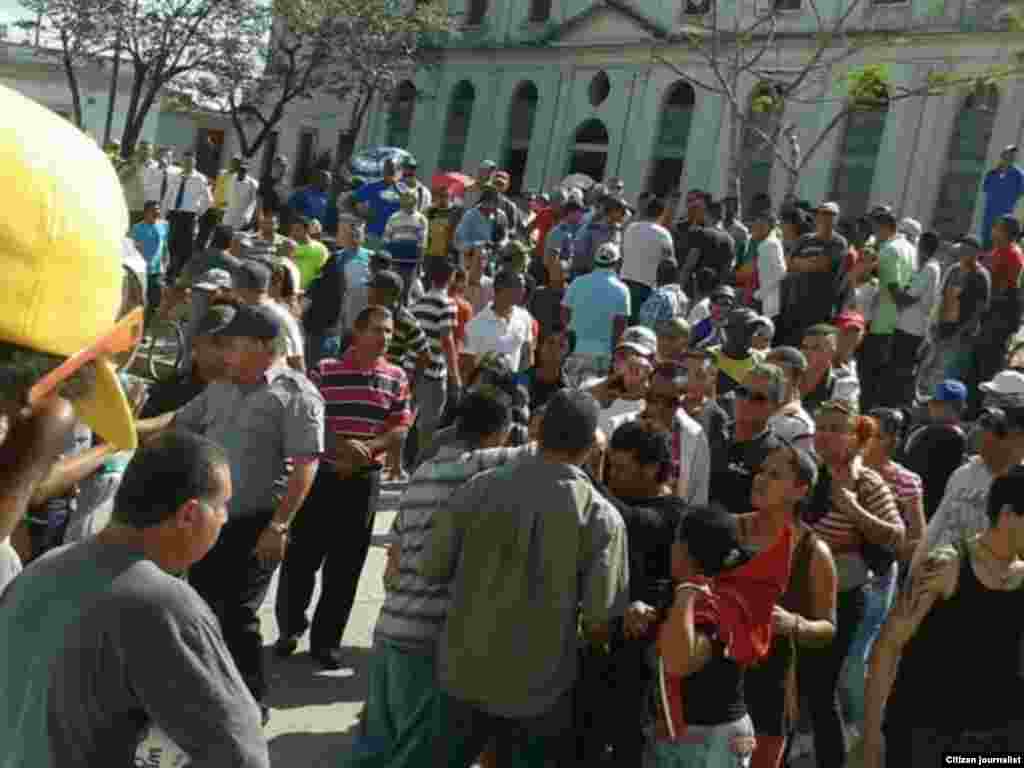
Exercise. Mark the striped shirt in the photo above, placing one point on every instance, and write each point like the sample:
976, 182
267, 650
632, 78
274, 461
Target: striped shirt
437, 316
905, 485
362, 403
414, 611
841, 533
408, 340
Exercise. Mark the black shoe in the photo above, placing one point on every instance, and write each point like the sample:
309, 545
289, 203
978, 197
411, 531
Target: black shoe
328, 658
286, 645
264, 714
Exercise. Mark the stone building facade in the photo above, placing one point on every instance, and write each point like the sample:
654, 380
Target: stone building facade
550, 87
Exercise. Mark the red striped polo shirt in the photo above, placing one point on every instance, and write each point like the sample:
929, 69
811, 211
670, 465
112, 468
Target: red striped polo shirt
361, 403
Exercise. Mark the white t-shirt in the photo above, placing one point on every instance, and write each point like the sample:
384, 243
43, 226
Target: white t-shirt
925, 288
10, 564
645, 244
487, 333
963, 510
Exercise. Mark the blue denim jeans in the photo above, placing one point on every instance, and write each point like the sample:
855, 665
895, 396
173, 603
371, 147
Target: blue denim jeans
730, 745
878, 600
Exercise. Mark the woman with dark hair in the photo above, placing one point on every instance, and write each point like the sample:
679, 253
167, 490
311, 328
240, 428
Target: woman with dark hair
855, 513
907, 488
805, 615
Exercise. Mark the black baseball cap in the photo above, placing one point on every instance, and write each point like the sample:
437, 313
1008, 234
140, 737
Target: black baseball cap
253, 276
388, 281
252, 322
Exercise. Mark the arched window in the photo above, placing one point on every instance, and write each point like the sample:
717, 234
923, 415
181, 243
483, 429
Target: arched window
763, 117
965, 162
521, 114
669, 154
403, 105
858, 156
475, 12
589, 151
460, 113
540, 11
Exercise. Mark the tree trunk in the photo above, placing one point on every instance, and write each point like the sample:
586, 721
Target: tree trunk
76, 93
735, 172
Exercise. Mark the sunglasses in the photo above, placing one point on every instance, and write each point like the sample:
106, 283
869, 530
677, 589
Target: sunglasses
746, 393
122, 338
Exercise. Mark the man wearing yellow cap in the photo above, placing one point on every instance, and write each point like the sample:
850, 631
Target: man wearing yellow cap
60, 296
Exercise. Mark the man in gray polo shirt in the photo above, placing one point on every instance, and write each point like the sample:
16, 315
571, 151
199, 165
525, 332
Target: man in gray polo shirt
270, 420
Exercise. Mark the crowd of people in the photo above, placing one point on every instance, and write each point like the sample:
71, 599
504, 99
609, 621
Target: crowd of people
714, 492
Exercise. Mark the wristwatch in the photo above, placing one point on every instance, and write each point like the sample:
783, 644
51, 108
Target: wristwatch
276, 527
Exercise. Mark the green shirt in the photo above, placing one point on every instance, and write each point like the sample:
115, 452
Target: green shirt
527, 549
895, 265
310, 259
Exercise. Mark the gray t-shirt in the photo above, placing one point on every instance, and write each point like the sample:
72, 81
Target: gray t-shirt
101, 645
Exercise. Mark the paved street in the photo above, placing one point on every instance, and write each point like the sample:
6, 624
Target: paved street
314, 712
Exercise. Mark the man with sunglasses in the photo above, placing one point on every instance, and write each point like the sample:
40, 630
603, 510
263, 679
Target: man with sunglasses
663, 409
734, 358
751, 439
961, 514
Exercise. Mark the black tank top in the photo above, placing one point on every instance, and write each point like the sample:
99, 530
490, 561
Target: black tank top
714, 696
960, 669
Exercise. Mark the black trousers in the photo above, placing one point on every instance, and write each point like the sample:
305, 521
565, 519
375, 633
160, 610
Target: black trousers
903, 370
207, 222
876, 386
818, 680
181, 240
234, 584
333, 529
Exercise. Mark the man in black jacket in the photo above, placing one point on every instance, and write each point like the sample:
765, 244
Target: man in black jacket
698, 244
323, 319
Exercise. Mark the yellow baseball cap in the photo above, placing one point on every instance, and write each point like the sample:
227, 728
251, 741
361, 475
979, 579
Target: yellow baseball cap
60, 258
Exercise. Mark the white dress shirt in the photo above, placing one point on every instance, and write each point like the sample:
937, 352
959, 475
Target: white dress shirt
197, 198
771, 271
488, 333
242, 197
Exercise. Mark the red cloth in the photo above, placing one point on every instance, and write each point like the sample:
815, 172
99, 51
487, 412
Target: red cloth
1005, 264
740, 609
542, 224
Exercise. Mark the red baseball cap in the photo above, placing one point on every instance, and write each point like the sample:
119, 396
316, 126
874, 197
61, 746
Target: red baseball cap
849, 319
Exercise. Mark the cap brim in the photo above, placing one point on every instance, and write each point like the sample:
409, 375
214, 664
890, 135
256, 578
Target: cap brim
635, 348
106, 410
989, 388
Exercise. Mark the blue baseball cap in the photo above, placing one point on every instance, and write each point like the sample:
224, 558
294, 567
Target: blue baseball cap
951, 391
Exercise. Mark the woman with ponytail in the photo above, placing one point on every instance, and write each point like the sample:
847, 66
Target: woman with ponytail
854, 512
907, 488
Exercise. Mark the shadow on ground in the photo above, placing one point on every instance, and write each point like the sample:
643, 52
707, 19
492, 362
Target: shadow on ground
298, 681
